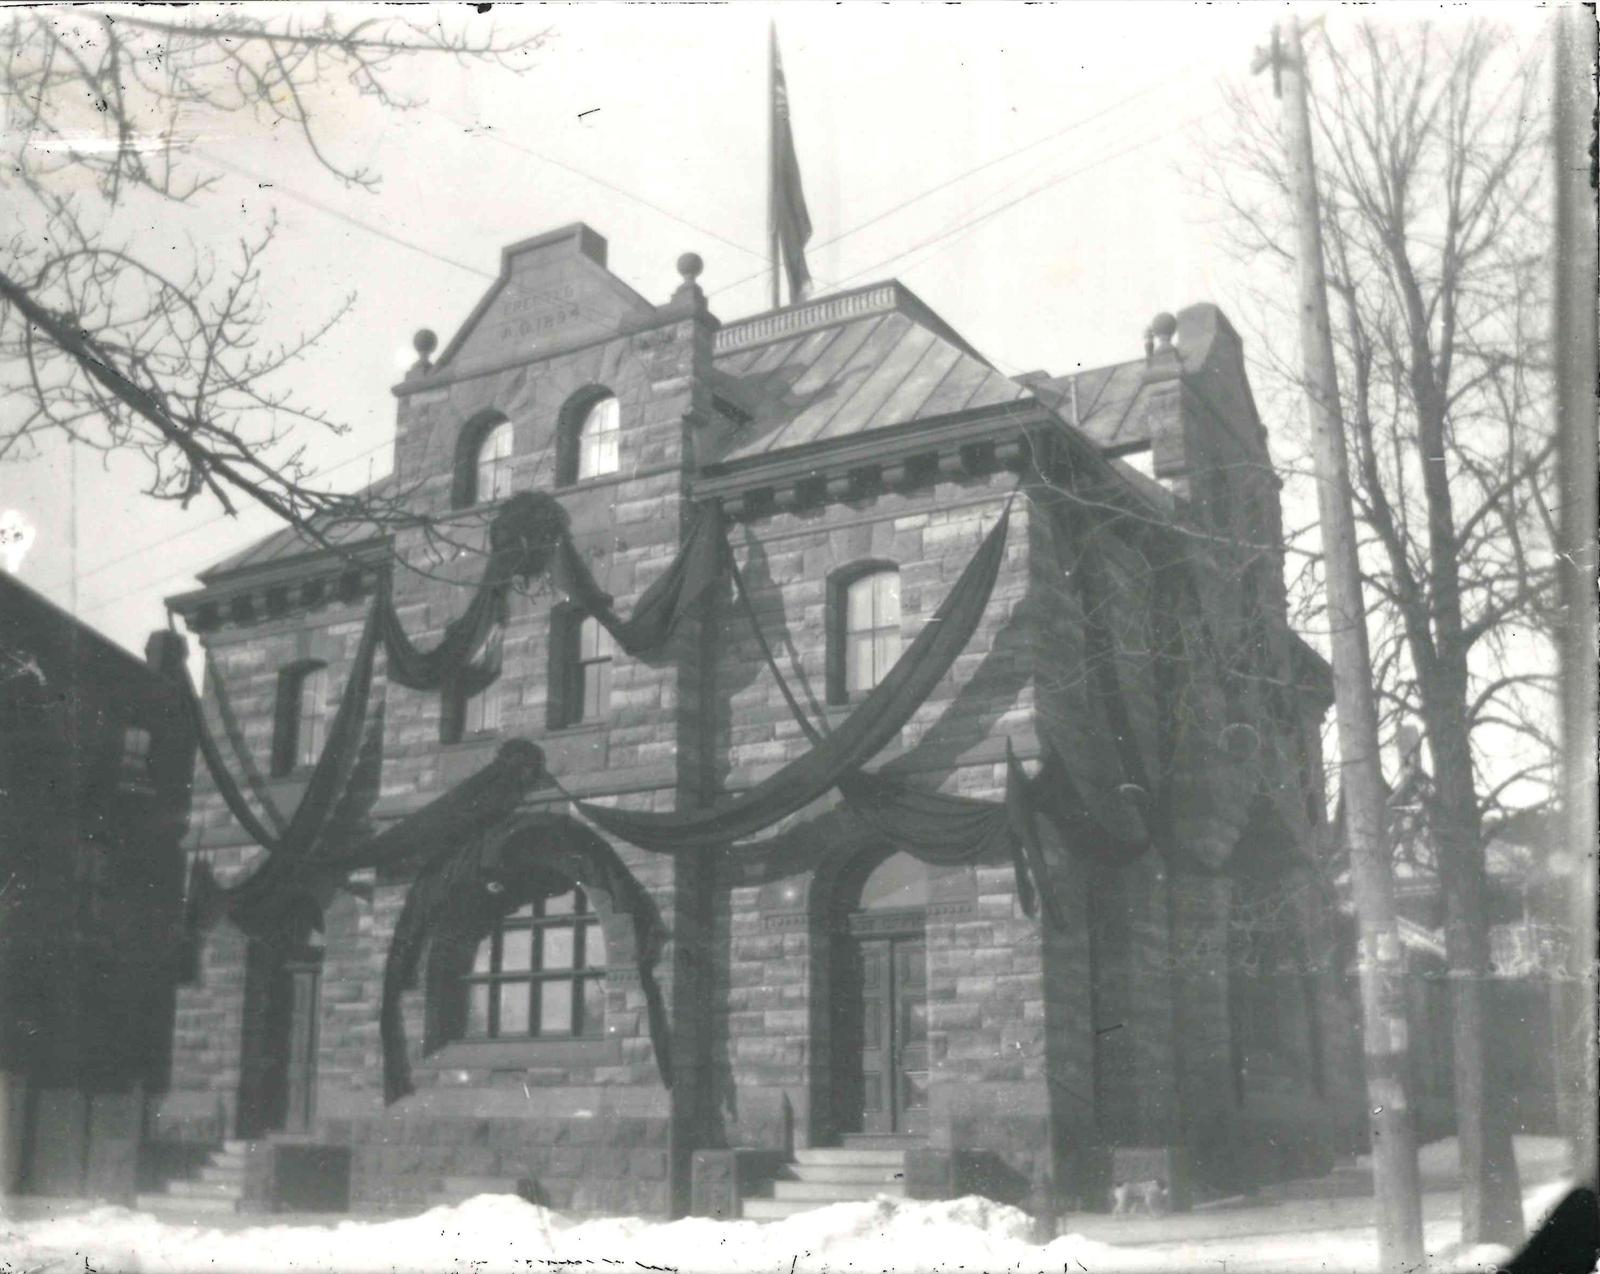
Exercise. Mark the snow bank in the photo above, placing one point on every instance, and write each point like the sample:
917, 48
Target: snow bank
501, 1233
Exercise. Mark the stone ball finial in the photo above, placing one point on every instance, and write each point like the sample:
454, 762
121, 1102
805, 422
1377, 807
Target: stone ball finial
690, 266
1163, 327
425, 342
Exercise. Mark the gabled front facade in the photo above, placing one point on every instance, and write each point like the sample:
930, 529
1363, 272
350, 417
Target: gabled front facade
815, 986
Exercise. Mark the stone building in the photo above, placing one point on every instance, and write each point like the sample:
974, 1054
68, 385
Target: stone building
824, 1012
96, 756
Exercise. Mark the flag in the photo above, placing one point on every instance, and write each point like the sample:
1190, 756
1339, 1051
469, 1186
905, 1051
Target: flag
788, 223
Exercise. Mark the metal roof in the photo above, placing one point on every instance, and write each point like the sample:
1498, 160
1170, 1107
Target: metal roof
845, 365
290, 542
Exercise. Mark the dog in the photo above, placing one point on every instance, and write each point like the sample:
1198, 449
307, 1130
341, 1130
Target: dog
1127, 1197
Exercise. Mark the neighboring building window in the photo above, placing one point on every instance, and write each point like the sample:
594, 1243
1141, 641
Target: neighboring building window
493, 481
584, 653
540, 972
866, 631
302, 717
135, 765
590, 434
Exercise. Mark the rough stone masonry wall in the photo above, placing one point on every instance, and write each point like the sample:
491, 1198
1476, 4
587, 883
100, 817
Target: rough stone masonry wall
985, 986
589, 1125
208, 1034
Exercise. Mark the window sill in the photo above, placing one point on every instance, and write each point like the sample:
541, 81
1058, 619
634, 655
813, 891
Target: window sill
576, 728
589, 484
524, 1053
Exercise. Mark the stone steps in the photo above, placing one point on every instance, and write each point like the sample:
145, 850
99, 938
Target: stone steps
171, 1205
217, 1187
837, 1191
822, 1175
844, 1172
854, 1157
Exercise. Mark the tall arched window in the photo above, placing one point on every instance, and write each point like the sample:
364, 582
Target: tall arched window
492, 480
539, 972
591, 425
301, 727
865, 637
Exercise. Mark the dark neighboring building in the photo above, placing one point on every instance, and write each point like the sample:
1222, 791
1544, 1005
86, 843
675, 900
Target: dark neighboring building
96, 758
835, 1008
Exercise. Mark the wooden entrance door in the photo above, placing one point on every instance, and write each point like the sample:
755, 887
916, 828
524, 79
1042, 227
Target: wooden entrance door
303, 985
279, 1073
883, 1036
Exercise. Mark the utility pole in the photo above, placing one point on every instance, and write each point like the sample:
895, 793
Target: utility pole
1575, 405
1385, 1039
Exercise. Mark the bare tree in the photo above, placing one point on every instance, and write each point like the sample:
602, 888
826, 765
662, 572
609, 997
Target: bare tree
1430, 154
155, 345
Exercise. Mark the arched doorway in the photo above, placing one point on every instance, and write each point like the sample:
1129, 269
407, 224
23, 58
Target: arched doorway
283, 998
880, 997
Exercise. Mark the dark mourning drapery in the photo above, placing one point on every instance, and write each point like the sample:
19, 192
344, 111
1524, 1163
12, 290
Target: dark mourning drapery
938, 828
873, 724
329, 779
696, 569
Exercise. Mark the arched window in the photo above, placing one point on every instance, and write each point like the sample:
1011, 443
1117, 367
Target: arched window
590, 428
864, 641
482, 470
492, 477
302, 714
582, 653
539, 972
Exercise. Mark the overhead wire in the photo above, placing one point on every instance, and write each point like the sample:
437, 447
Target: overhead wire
950, 233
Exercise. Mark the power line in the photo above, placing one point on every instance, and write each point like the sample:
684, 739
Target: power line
1162, 82
952, 232
213, 520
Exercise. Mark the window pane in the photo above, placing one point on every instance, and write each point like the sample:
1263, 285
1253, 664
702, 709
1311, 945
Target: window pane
594, 642
858, 605
482, 713
594, 1006
596, 681
516, 951
313, 693
858, 662
885, 650
513, 1008
594, 947
555, 1008
525, 910
561, 904
558, 948
886, 599
478, 1009
480, 960
597, 439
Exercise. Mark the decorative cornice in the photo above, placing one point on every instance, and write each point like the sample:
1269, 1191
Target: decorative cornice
887, 460
271, 596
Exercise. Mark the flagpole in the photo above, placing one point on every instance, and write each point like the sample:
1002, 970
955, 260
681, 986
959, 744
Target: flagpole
772, 155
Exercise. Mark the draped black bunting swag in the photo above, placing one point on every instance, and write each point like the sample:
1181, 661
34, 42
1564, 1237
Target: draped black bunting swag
329, 778
938, 828
861, 735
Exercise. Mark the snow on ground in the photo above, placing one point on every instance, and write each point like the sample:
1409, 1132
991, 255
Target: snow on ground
500, 1233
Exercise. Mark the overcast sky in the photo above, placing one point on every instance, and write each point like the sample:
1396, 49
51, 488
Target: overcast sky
649, 123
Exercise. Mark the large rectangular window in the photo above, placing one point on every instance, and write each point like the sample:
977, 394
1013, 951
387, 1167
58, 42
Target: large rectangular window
540, 972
